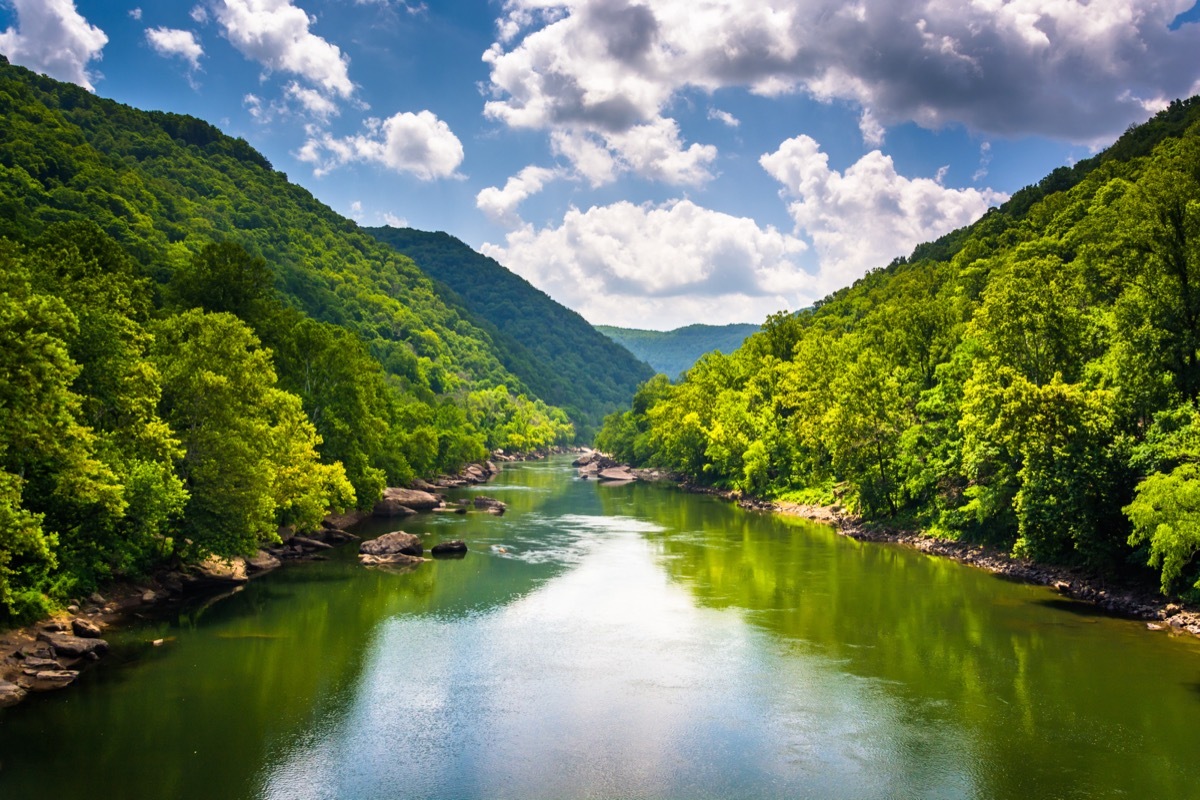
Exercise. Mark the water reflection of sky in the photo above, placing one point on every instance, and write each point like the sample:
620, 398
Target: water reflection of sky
607, 681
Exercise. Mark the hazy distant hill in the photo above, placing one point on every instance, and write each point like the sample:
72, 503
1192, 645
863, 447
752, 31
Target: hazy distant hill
552, 349
672, 352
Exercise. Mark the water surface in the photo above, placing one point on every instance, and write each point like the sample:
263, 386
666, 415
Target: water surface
623, 642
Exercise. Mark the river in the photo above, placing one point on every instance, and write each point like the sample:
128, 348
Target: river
623, 642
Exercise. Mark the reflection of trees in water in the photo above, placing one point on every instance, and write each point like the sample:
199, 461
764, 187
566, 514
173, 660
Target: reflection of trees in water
1038, 695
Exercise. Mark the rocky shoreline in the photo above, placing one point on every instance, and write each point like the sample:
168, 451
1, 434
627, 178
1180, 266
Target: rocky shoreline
1158, 612
52, 653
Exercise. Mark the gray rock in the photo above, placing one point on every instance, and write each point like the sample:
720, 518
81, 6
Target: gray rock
311, 544
10, 694
68, 646
220, 570
396, 542
617, 474
391, 507
413, 498
262, 561
490, 504
455, 547
85, 629
50, 679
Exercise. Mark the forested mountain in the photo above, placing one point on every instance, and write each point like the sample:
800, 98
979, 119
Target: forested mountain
194, 351
553, 350
1029, 381
673, 352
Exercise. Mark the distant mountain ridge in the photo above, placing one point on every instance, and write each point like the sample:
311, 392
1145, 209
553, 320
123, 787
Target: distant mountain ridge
673, 352
552, 349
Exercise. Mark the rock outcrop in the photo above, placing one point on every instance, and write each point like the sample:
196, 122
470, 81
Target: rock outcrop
455, 547
490, 504
390, 544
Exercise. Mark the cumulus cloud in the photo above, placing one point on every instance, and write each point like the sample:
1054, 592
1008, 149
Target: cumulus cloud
868, 214
1079, 70
276, 34
135, 13
312, 101
872, 131
169, 42
51, 36
199, 14
660, 265
500, 205
417, 144
395, 221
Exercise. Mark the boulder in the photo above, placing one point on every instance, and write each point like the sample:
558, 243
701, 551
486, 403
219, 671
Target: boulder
422, 485
262, 561
587, 458
221, 570
490, 504
617, 474
396, 542
389, 560
10, 694
451, 510
311, 544
85, 629
49, 679
456, 547
391, 507
68, 646
413, 498
491, 467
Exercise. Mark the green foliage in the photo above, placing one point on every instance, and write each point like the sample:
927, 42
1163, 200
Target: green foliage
193, 351
1000, 385
552, 350
674, 352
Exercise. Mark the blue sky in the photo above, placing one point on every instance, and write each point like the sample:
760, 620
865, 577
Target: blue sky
649, 163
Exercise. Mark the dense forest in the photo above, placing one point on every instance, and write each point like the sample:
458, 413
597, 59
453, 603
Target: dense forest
553, 350
195, 352
1029, 381
673, 352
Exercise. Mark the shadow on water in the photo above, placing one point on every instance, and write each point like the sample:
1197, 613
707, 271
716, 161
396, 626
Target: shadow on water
1081, 609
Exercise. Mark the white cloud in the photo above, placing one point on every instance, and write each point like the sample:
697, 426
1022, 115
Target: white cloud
660, 266
52, 37
724, 117
276, 34
418, 144
869, 214
872, 131
199, 14
174, 42
1079, 70
396, 222
500, 205
985, 158
135, 13
315, 103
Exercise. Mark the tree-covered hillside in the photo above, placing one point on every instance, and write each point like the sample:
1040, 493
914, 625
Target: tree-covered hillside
673, 352
195, 352
1029, 381
552, 349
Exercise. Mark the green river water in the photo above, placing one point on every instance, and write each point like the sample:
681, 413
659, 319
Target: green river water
623, 642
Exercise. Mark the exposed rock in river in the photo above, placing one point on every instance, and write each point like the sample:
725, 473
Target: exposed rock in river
390, 560
617, 474
85, 629
221, 570
10, 694
396, 542
455, 547
413, 499
69, 646
490, 504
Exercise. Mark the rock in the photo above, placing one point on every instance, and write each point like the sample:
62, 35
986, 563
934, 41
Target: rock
149, 596
1153, 626
413, 498
390, 560
424, 486
262, 561
491, 468
10, 694
220, 570
50, 679
311, 544
617, 474
396, 542
1062, 587
85, 628
339, 535
73, 608
1172, 609
490, 504
587, 458
68, 646
455, 547
96, 599
37, 664
391, 507
451, 510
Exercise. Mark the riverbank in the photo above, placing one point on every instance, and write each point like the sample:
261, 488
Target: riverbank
1158, 612
52, 653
